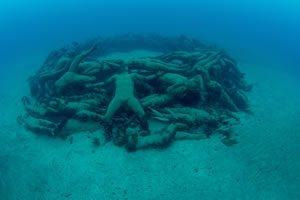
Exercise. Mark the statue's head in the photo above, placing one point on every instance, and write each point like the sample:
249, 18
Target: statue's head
125, 70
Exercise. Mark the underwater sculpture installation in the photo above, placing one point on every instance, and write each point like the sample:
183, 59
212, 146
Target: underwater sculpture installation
192, 89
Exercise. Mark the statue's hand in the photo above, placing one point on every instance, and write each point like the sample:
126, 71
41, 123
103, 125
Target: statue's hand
160, 73
94, 85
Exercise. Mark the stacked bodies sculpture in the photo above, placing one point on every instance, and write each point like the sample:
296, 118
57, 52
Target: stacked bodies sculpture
193, 89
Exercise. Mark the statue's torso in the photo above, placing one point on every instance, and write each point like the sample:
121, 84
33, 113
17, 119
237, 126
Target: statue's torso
124, 86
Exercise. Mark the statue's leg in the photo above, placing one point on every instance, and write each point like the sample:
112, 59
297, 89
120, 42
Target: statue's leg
113, 107
161, 139
136, 106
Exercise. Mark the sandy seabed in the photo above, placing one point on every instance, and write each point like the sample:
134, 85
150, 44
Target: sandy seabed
263, 165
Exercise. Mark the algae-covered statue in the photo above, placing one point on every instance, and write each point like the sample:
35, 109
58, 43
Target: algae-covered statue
191, 89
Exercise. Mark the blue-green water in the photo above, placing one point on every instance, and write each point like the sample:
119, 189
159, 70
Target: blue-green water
271, 26
262, 35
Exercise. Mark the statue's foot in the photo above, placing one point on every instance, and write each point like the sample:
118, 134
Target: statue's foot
132, 141
59, 127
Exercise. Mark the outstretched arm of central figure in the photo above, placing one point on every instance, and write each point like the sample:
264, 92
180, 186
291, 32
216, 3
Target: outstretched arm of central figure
102, 83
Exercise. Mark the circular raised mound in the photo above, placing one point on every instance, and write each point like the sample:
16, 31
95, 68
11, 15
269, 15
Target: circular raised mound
193, 90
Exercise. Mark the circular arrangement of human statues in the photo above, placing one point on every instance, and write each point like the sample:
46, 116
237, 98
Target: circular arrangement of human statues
191, 90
